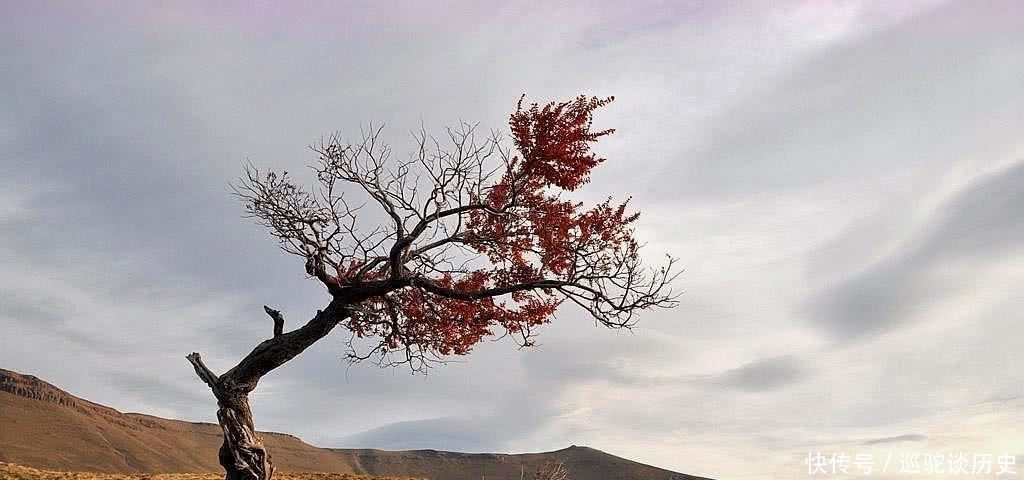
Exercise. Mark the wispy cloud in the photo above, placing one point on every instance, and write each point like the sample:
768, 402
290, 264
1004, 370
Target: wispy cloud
910, 437
978, 225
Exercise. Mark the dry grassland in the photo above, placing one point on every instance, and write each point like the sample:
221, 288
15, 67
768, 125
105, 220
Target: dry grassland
9, 471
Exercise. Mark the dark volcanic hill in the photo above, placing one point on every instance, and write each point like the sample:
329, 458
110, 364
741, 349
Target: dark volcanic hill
45, 427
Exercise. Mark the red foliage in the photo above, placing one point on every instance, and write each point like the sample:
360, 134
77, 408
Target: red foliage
554, 142
528, 232
543, 235
450, 326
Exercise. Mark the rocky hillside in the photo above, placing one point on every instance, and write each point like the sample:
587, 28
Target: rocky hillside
45, 427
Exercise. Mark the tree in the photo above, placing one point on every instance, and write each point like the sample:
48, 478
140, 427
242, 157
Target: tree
469, 239
550, 471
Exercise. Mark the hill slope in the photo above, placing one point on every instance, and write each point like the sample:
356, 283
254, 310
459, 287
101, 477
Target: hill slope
46, 427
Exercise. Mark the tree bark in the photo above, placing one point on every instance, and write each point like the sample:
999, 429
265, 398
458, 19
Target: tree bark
243, 455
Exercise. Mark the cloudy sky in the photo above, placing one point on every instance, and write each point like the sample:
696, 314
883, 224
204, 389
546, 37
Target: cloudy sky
842, 181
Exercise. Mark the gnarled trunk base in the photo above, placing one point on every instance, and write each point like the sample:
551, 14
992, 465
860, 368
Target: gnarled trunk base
242, 454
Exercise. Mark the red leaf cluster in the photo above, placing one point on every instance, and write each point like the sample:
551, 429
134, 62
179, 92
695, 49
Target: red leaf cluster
539, 234
554, 141
448, 326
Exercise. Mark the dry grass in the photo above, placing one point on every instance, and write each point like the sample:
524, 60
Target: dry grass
10, 471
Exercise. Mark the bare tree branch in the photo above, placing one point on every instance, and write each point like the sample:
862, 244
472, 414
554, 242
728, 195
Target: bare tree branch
205, 374
278, 320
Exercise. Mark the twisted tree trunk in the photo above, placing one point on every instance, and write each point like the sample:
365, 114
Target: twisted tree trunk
243, 455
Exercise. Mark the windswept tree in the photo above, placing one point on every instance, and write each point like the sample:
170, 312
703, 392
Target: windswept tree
464, 239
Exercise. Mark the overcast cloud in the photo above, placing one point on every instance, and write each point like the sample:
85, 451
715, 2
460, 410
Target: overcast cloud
841, 180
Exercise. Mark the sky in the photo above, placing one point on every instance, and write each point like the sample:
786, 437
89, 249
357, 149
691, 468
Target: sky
841, 181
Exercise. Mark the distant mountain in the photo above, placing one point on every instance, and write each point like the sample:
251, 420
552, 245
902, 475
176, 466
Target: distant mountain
45, 427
